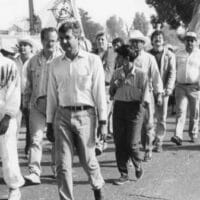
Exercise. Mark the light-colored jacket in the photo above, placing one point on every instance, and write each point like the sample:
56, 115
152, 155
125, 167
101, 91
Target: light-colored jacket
10, 94
147, 62
168, 69
22, 71
37, 78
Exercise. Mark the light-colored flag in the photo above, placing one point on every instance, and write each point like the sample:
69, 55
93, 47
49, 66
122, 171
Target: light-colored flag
66, 10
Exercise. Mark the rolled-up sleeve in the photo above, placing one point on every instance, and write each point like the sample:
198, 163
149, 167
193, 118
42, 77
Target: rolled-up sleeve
52, 95
98, 88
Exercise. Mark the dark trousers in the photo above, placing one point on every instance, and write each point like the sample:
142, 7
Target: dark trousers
127, 124
28, 138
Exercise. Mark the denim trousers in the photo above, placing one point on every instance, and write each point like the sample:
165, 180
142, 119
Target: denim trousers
9, 156
148, 128
75, 130
161, 116
127, 125
187, 94
37, 125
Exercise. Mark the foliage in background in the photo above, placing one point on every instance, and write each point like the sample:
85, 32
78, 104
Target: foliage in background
116, 27
173, 12
141, 23
171, 37
89, 26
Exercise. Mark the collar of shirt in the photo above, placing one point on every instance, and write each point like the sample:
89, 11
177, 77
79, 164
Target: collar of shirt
42, 59
122, 73
18, 59
81, 54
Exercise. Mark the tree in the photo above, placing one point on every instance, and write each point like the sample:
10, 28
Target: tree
89, 26
140, 23
171, 37
115, 26
174, 12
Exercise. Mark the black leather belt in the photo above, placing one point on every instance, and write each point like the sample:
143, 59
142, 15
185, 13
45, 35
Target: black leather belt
107, 83
77, 108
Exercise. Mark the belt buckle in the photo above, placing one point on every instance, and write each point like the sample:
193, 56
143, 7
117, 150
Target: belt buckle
78, 108
82, 107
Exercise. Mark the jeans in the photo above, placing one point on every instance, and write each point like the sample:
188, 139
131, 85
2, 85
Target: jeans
161, 115
148, 129
185, 94
37, 124
127, 124
9, 156
75, 129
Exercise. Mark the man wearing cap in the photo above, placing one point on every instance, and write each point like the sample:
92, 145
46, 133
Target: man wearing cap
35, 97
107, 56
25, 46
167, 67
187, 90
9, 109
147, 62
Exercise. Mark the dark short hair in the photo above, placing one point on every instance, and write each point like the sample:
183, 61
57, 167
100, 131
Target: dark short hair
100, 34
155, 33
71, 25
47, 30
126, 52
116, 40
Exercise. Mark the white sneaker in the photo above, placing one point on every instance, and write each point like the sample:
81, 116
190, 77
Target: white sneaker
33, 179
14, 194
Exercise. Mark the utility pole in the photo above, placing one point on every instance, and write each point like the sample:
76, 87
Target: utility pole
31, 17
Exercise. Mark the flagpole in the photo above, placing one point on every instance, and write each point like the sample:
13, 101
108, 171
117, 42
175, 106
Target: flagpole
31, 17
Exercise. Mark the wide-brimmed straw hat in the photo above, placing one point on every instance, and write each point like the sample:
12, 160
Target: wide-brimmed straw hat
137, 35
27, 39
190, 34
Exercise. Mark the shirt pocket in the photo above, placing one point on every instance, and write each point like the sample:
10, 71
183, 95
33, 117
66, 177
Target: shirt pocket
84, 82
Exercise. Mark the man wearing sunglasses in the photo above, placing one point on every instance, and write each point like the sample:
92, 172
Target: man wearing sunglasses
187, 89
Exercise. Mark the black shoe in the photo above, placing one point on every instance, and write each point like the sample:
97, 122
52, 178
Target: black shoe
155, 141
98, 194
98, 151
158, 148
176, 140
194, 140
122, 180
139, 172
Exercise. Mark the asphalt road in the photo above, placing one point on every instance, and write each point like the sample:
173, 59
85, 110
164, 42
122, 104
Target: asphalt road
173, 174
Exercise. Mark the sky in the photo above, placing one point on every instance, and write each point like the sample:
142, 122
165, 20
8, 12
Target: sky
15, 11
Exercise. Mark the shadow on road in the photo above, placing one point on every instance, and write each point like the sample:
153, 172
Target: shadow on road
2, 182
172, 147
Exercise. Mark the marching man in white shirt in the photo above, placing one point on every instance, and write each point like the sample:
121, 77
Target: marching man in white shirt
9, 108
76, 87
187, 88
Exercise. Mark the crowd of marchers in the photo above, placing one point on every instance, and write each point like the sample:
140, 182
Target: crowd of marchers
81, 97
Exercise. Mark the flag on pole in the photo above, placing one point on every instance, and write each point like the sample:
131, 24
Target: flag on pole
66, 10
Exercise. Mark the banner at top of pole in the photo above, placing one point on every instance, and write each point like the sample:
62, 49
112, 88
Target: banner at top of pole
66, 10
